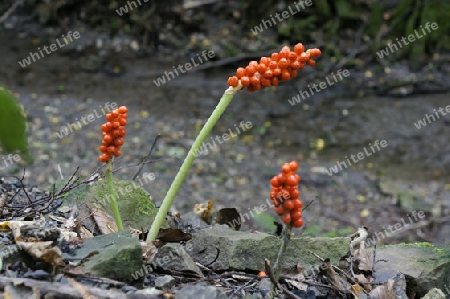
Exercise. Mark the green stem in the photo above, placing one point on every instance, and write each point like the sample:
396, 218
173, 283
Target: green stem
179, 178
285, 238
112, 192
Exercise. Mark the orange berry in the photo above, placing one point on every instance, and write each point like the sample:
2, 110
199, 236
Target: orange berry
273, 64
114, 114
281, 178
233, 81
268, 74
262, 68
250, 88
277, 72
274, 81
261, 273
283, 63
288, 204
285, 75
286, 49
294, 193
107, 138
295, 65
251, 70
104, 158
293, 165
286, 217
257, 87
292, 56
119, 141
125, 115
279, 210
299, 48
103, 149
104, 128
253, 63
296, 214
273, 194
122, 132
254, 81
274, 57
293, 73
291, 180
285, 168
274, 182
122, 110
297, 223
311, 62
303, 57
111, 149
240, 72
110, 117
265, 60
315, 52
122, 121
265, 82
297, 178
298, 204
116, 124
245, 81
283, 54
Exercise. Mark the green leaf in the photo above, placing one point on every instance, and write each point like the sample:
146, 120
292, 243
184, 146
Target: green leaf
12, 126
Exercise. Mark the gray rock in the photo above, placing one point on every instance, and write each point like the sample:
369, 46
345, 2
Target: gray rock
399, 282
243, 250
173, 256
164, 282
10, 254
149, 291
435, 294
424, 265
200, 292
119, 256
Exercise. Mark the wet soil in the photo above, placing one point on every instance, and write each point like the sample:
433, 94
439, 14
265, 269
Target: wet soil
322, 130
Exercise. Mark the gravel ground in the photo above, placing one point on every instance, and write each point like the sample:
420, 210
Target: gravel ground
55, 92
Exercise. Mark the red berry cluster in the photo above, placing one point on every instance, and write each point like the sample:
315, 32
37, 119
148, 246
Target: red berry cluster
270, 70
113, 133
285, 193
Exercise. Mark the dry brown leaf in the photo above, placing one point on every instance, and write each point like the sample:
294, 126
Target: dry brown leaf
327, 269
365, 280
295, 272
149, 251
104, 221
364, 258
84, 232
43, 250
205, 212
384, 291
357, 290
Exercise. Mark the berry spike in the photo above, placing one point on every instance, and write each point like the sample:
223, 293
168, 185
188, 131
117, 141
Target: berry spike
280, 66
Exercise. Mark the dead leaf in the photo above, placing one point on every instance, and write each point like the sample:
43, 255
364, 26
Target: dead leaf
149, 251
230, 217
327, 269
295, 272
173, 235
204, 211
364, 259
384, 291
105, 222
357, 291
43, 250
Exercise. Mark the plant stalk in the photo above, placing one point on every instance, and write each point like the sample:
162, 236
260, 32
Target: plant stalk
112, 192
285, 238
187, 163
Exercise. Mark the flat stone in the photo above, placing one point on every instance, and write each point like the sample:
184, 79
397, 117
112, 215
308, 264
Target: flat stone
435, 294
243, 250
399, 282
200, 292
174, 256
164, 282
424, 265
119, 256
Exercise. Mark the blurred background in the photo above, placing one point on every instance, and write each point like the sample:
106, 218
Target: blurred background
123, 47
